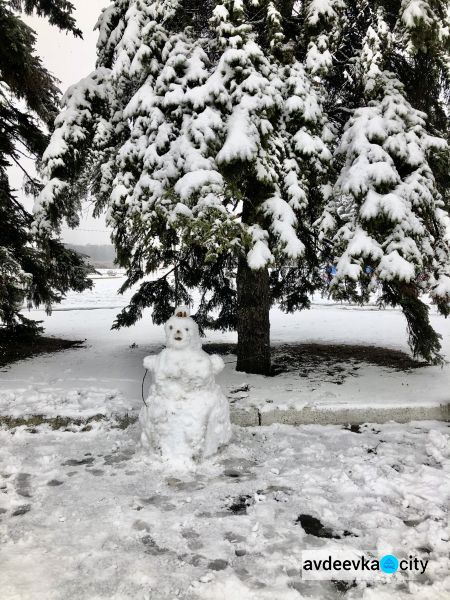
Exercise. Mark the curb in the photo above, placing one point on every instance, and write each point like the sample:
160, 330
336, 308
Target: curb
251, 417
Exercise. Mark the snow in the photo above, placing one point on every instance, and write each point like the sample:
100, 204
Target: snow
194, 180
417, 12
318, 58
97, 518
319, 9
260, 254
50, 402
394, 266
142, 101
186, 417
283, 221
306, 143
442, 288
240, 143
112, 359
393, 205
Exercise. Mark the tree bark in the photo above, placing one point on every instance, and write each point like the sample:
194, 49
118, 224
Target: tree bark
253, 327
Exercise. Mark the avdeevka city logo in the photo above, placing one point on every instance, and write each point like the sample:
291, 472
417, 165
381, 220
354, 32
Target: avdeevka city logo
347, 563
389, 563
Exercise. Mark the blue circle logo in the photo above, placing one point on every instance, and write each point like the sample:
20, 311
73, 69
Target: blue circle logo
389, 563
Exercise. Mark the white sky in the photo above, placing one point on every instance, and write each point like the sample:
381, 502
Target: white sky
69, 59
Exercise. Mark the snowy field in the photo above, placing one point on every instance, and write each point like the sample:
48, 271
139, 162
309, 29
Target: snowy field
84, 516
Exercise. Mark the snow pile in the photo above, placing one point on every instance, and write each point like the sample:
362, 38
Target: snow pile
438, 446
186, 416
53, 402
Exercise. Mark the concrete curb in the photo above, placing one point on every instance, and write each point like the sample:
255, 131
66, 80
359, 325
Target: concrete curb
341, 416
253, 417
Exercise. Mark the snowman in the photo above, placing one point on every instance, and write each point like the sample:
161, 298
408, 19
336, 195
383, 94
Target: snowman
186, 417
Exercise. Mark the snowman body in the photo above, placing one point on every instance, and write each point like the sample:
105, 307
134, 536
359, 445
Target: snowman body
186, 417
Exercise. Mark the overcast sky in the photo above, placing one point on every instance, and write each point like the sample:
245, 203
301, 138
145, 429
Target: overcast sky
70, 59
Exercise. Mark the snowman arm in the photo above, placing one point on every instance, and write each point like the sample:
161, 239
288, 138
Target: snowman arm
217, 363
149, 362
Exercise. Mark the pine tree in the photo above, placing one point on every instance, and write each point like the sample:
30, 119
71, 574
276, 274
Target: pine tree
207, 132
30, 271
387, 212
205, 139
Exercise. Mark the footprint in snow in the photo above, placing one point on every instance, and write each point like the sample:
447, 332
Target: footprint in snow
21, 510
22, 484
54, 482
74, 462
218, 564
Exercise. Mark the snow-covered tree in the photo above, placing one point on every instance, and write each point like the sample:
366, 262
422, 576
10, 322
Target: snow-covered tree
207, 131
387, 211
204, 137
31, 271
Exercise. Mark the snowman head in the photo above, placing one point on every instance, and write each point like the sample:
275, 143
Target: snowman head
182, 331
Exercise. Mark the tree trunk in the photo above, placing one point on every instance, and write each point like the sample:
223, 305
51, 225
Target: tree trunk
253, 298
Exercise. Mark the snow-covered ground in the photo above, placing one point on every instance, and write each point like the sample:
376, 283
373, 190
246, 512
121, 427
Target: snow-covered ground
84, 516
111, 362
